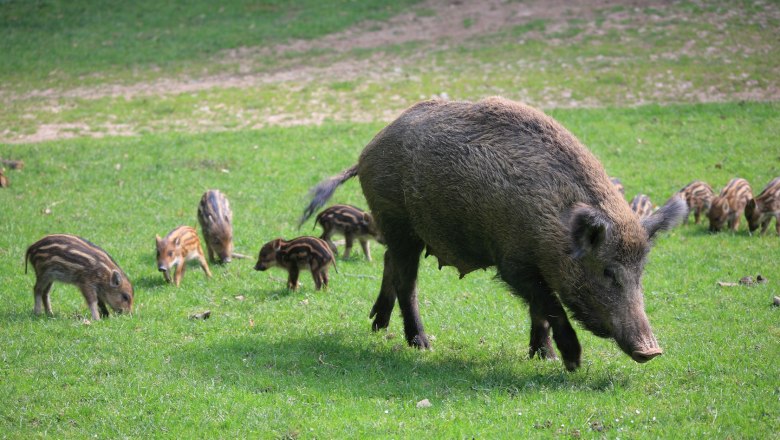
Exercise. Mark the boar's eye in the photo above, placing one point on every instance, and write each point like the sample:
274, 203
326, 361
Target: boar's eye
170, 253
125, 297
609, 273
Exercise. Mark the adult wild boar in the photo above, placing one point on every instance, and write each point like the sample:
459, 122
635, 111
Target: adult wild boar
498, 183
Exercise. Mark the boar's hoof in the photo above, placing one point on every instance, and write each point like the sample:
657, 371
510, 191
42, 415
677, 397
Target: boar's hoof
420, 341
646, 355
571, 365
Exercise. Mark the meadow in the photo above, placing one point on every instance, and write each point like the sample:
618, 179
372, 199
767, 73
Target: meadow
273, 363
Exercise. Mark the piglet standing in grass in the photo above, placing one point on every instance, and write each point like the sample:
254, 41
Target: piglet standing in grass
351, 222
216, 222
729, 205
74, 260
176, 249
299, 253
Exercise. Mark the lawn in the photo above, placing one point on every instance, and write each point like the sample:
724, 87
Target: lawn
274, 363
288, 364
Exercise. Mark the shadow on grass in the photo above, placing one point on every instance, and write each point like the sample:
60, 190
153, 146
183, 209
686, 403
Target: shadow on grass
330, 364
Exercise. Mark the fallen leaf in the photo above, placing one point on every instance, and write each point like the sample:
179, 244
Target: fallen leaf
776, 301
725, 284
240, 297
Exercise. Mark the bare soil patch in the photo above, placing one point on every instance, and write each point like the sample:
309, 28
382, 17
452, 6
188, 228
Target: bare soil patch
434, 25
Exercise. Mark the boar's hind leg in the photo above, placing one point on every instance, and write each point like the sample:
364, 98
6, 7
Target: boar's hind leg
400, 280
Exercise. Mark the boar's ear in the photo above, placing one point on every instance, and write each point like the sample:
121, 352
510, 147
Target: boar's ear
589, 228
157, 239
277, 244
177, 242
367, 217
667, 217
116, 279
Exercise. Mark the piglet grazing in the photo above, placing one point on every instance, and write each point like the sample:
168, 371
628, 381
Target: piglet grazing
179, 246
296, 254
729, 205
352, 223
761, 210
215, 218
73, 260
3, 179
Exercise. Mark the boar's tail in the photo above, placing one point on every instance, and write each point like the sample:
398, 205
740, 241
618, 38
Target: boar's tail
324, 190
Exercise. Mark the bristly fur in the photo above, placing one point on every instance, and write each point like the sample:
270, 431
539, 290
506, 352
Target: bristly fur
324, 190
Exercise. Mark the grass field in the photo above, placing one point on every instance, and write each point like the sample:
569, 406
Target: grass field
271, 363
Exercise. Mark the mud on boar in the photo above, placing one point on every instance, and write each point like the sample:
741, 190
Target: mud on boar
176, 249
216, 222
498, 183
352, 223
299, 253
74, 260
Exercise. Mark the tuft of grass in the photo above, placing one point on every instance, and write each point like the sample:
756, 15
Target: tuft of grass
276, 363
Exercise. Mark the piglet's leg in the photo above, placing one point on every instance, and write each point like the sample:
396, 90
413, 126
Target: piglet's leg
204, 265
179, 274
366, 249
315, 274
92, 301
348, 240
292, 279
41, 292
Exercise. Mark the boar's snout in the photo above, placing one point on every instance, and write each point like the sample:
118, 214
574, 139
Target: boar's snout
646, 355
162, 268
634, 335
260, 266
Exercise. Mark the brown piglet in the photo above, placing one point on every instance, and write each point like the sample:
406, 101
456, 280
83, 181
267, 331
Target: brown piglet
74, 260
215, 218
350, 222
764, 207
729, 205
299, 253
176, 249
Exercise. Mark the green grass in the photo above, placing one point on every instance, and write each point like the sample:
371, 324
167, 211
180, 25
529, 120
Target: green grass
278, 364
309, 366
71, 40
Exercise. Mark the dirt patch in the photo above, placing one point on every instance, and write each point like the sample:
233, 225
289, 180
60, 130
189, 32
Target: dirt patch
433, 27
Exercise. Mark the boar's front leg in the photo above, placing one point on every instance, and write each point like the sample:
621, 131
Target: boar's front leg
547, 313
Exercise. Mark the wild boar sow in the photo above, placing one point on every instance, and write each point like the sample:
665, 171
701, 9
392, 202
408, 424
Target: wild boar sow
498, 183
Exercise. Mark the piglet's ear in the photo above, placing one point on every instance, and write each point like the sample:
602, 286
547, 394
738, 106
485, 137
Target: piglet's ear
116, 279
157, 239
667, 217
277, 244
589, 229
